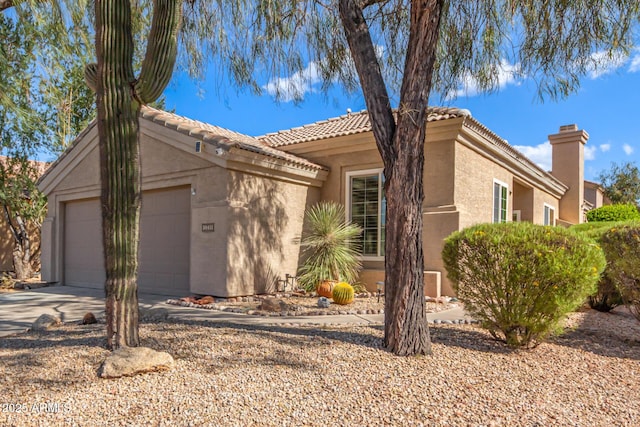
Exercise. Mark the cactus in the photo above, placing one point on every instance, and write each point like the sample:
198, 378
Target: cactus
119, 97
343, 293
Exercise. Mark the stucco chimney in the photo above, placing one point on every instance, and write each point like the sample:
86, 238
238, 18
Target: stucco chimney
567, 152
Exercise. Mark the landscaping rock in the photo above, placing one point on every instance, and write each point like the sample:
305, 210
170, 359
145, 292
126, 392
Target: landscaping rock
273, 305
154, 314
89, 318
205, 300
129, 361
323, 302
45, 322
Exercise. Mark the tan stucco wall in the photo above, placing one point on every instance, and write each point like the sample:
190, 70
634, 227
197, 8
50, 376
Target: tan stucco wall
264, 231
339, 164
523, 201
540, 198
6, 246
475, 175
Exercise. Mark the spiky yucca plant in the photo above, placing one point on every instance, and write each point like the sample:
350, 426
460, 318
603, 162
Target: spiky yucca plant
331, 249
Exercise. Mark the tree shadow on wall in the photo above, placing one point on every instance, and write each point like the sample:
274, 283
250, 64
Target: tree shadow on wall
264, 228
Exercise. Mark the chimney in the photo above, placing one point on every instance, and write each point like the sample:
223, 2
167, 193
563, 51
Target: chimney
567, 152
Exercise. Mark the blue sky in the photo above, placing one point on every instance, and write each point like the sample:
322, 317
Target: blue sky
607, 106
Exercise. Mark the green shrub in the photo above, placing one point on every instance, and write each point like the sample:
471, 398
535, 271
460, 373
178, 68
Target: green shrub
622, 246
613, 213
520, 280
607, 297
330, 247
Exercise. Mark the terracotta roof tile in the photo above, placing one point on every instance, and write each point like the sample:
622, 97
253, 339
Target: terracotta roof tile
221, 137
349, 124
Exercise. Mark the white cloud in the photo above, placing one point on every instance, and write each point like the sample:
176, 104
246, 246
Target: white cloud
507, 74
605, 147
539, 154
634, 67
605, 63
627, 149
590, 153
296, 86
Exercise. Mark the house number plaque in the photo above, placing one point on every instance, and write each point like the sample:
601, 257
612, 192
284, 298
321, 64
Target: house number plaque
209, 228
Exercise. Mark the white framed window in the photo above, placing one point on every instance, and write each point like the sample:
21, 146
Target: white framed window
516, 215
366, 206
549, 215
500, 201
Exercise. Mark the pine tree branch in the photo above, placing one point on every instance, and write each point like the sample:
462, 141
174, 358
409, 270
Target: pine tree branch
5, 4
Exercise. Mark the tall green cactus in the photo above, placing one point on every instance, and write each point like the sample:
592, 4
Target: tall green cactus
119, 98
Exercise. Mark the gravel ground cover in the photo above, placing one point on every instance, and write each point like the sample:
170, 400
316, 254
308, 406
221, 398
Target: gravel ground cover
232, 375
308, 305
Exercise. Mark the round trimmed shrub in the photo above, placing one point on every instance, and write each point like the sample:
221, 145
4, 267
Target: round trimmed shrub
622, 246
520, 280
618, 212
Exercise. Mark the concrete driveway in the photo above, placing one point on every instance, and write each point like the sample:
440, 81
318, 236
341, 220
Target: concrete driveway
19, 309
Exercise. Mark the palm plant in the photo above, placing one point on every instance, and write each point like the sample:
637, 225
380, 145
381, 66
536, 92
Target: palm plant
331, 247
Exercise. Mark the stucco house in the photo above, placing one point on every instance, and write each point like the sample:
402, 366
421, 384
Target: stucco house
222, 213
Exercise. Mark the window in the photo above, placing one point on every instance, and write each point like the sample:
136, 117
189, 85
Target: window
366, 206
517, 214
500, 194
549, 215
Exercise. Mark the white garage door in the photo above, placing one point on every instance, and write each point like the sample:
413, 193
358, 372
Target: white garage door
164, 243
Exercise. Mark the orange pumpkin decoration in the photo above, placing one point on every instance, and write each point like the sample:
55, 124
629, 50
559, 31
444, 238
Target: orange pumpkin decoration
325, 289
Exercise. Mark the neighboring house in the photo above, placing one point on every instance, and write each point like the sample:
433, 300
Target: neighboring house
594, 196
222, 213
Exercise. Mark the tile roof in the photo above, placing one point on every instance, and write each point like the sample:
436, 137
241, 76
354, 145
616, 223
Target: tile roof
349, 124
221, 137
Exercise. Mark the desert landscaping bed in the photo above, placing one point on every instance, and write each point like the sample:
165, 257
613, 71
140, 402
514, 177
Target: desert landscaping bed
232, 375
291, 304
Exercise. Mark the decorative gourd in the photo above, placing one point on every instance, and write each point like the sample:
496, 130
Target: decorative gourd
343, 293
325, 288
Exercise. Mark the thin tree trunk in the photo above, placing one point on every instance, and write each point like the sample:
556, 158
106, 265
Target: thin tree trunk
401, 146
21, 246
22, 251
119, 169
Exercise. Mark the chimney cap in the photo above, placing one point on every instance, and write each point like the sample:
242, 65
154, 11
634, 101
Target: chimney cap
569, 128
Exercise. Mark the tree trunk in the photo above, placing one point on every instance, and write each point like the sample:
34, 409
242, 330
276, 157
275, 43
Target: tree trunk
22, 262
401, 146
22, 251
118, 129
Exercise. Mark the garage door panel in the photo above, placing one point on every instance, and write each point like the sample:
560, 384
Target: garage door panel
164, 243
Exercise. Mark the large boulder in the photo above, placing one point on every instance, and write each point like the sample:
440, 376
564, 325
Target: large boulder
45, 322
129, 361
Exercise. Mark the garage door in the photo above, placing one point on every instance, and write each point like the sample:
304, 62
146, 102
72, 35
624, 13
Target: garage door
164, 243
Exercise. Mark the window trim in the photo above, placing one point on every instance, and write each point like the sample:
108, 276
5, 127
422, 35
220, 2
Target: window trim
517, 214
544, 211
364, 172
493, 200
